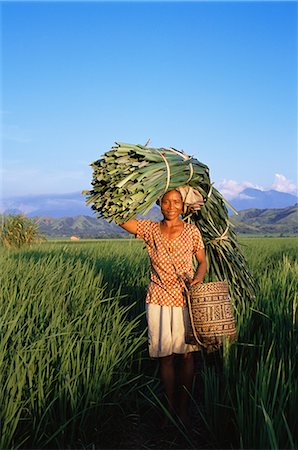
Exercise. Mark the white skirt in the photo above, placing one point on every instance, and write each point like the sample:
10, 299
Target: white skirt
166, 330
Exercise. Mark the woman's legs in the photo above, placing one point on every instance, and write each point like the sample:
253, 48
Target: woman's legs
166, 332
167, 375
186, 377
178, 383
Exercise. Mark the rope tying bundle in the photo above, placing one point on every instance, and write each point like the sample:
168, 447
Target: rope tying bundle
210, 190
223, 237
168, 169
168, 166
185, 156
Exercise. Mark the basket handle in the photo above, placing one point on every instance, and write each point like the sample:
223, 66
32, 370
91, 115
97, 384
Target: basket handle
191, 316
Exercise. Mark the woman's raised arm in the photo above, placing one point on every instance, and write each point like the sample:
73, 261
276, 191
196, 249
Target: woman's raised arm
130, 226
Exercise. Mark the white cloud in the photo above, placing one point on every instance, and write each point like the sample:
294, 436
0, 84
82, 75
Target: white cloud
231, 188
282, 184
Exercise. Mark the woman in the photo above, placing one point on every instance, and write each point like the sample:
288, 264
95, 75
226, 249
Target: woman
171, 245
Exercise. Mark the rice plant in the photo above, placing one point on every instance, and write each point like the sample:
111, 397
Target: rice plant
66, 351
73, 364
255, 395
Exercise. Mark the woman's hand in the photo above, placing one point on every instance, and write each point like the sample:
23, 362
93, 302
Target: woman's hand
195, 281
191, 281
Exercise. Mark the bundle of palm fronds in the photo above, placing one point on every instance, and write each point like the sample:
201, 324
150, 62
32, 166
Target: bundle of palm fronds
129, 179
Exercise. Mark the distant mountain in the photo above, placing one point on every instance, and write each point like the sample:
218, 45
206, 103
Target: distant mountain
80, 226
73, 204
251, 221
267, 221
255, 198
86, 226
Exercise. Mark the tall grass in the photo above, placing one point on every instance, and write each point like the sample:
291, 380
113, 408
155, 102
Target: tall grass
72, 335
18, 230
66, 350
253, 404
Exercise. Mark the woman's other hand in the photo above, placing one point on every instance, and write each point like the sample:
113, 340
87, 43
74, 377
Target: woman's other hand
191, 281
195, 281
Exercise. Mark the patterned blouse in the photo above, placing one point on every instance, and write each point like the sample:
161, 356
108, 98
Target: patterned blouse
164, 287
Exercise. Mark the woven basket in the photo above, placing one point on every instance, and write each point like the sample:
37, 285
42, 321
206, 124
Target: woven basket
211, 315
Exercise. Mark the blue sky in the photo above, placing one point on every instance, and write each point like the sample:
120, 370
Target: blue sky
217, 79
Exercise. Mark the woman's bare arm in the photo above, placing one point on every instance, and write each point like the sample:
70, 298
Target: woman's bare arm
202, 267
130, 226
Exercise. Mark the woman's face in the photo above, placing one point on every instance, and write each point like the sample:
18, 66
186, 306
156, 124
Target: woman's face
171, 205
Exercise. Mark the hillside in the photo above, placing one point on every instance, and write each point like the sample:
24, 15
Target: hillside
251, 221
267, 221
80, 226
85, 226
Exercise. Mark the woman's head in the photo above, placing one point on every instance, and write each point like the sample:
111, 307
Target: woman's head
171, 204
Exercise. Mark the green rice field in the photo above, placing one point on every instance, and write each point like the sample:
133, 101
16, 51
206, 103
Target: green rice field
74, 367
